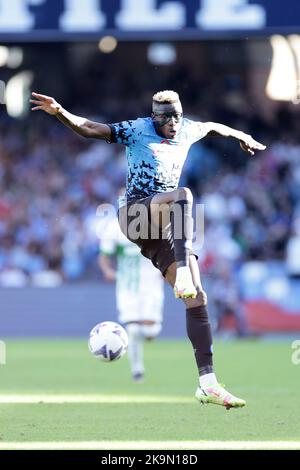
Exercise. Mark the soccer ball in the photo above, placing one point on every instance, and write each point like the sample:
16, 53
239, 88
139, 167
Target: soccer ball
108, 341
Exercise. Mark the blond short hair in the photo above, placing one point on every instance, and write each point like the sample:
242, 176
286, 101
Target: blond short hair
166, 96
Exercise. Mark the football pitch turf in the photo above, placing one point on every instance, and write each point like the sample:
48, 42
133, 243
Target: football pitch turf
55, 395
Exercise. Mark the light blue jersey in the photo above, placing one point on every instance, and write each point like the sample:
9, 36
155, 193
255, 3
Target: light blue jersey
154, 163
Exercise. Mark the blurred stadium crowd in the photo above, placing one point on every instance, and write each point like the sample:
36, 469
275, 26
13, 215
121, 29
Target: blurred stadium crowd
52, 181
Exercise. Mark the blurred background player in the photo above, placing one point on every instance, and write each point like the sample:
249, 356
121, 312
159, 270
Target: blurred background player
139, 292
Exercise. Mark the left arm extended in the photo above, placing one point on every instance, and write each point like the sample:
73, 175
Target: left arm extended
247, 143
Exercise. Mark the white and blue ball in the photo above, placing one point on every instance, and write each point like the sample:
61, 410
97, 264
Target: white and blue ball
108, 341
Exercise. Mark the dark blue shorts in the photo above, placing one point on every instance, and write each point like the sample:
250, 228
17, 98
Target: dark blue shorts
159, 250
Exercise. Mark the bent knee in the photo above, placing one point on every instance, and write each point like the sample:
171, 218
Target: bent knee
184, 194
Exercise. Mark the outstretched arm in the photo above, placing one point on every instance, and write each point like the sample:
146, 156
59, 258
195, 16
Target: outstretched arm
247, 143
80, 125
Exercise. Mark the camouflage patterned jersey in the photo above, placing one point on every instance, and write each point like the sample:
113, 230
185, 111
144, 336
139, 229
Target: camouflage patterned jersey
154, 163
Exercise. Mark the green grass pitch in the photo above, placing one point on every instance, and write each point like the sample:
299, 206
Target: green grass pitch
54, 394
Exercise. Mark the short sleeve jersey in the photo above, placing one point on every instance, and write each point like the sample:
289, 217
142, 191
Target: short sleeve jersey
154, 163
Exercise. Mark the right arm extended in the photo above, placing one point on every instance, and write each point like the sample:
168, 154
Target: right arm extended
80, 125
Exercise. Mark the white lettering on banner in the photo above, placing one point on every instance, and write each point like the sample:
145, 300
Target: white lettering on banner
230, 14
15, 15
135, 15
142, 15
82, 15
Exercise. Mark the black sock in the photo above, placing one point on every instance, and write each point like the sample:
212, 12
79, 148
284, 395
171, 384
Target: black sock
182, 230
199, 333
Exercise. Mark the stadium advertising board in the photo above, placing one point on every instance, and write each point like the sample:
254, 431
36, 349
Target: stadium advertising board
29, 20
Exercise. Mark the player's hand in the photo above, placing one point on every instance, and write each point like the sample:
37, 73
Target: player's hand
45, 103
110, 275
249, 145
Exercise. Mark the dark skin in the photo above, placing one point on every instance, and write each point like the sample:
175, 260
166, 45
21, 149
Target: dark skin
167, 119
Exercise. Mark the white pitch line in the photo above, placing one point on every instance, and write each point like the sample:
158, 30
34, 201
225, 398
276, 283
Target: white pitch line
60, 399
151, 445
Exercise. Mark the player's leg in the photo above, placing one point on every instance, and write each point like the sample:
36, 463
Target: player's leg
174, 209
199, 333
128, 306
150, 309
151, 306
136, 349
141, 316
197, 322
138, 331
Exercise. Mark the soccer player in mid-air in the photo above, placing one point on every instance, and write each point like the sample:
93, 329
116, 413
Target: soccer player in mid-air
156, 149
139, 292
